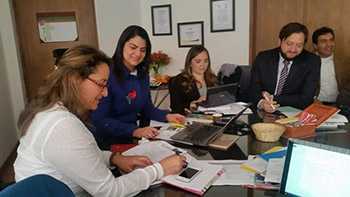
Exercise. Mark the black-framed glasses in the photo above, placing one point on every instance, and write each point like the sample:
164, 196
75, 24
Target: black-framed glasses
101, 85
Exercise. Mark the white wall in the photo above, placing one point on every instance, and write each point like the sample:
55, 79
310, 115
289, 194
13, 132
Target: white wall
11, 87
112, 17
224, 47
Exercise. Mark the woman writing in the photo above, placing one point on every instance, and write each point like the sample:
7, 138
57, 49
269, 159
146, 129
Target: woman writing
56, 140
129, 93
190, 87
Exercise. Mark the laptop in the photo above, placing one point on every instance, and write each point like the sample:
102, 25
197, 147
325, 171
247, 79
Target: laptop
202, 134
220, 95
314, 169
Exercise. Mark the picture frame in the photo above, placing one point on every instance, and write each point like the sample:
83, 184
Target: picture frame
190, 34
222, 15
161, 20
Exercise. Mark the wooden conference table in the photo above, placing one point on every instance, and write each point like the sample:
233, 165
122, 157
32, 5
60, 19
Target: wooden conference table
246, 145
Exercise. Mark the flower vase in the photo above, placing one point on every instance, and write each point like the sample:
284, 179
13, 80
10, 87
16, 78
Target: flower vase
156, 69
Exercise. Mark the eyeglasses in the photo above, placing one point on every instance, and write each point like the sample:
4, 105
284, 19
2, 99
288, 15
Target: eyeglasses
102, 86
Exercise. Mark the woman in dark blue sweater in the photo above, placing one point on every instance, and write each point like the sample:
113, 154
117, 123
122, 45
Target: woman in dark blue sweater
115, 119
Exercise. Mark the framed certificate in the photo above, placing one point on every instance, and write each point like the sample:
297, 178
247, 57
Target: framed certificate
161, 20
222, 15
190, 34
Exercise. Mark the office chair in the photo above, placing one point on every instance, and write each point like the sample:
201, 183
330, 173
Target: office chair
232, 73
243, 91
229, 73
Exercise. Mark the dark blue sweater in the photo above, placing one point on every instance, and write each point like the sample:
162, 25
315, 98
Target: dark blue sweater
115, 119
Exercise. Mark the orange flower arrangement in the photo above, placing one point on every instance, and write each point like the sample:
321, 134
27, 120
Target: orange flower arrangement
159, 59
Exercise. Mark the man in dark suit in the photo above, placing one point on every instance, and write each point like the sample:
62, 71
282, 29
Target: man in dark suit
287, 75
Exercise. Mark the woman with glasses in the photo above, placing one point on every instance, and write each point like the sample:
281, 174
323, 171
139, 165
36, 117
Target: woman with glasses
129, 93
56, 140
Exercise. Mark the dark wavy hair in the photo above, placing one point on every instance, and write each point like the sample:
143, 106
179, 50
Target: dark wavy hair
209, 76
321, 31
62, 85
292, 28
129, 33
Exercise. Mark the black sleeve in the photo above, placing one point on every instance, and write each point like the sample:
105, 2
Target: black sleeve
178, 101
255, 87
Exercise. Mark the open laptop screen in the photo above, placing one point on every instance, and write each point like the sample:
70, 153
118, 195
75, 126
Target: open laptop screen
313, 169
220, 95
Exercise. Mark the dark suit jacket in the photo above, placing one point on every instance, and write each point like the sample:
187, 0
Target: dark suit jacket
300, 88
180, 98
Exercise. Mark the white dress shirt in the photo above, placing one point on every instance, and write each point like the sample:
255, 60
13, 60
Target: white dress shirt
58, 144
329, 87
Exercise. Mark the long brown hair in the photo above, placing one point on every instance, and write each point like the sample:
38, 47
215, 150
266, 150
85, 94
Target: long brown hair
62, 85
209, 76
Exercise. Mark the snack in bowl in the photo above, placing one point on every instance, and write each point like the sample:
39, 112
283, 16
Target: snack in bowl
268, 132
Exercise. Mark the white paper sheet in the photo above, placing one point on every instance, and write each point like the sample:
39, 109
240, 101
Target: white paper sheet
233, 173
274, 170
155, 150
257, 165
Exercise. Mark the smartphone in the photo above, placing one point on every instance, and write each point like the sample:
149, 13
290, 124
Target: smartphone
188, 174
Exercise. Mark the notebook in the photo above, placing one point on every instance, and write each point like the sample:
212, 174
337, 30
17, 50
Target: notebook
199, 184
313, 169
202, 134
220, 95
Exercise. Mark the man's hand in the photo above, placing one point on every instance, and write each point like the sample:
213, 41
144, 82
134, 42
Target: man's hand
267, 103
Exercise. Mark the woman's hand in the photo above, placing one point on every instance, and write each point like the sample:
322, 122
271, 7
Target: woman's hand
176, 118
130, 163
146, 132
173, 164
194, 104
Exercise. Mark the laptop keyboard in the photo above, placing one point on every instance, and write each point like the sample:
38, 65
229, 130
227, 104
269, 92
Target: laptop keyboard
196, 133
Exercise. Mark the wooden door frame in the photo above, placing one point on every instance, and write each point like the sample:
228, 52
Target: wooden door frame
21, 44
252, 32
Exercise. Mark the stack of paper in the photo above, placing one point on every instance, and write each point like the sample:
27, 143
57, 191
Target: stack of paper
268, 166
334, 121
274, 170
233, 174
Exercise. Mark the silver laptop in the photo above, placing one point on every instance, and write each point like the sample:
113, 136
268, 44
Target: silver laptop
220, 95
313, 169
202, 134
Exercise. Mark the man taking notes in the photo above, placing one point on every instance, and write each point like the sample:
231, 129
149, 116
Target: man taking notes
287, 75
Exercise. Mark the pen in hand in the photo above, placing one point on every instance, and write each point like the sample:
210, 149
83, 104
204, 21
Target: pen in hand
178, 152
269, 98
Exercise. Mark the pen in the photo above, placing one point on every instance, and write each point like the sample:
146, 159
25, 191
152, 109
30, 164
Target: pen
269, 98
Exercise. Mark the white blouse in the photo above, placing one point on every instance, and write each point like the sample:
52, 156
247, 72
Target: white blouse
58, 144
